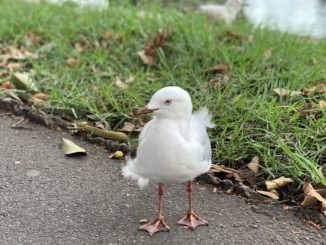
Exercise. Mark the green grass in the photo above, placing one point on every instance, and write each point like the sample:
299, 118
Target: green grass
250, 119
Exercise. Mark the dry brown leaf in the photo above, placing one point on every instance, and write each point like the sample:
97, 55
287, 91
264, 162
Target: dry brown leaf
162, 36
79, 46
111, 35
277, 183
130, 79
148, 53
267, 53
254, 164
12, 53
232, 36
147, 59
119, 83
6, 85
318, 88
272, 194
313, 198
285, 92
13, 66
72, 62
219, 68
32, 38
40, 96
322, 104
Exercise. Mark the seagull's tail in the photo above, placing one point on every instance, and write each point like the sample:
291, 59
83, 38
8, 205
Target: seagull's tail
204, 117
128, 171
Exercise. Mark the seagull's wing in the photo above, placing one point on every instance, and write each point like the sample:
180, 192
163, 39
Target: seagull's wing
144, 131
201, 120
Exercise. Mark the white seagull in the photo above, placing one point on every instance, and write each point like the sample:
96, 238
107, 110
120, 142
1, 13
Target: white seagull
173, 148
227, 12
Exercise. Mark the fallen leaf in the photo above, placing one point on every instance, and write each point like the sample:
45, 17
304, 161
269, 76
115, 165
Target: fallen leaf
313, 198
267, 53
12, 53
129, 127
111, 35
79, 46
120, 84
272, 194
254, 164
13, 66
162, 36
232, 36
37, 99
72, 62
147, 59
148, 53
130, 79
69, 147
32, 38
285, 92
6, 85
100, 125
23, 81
313, 61
318, 87
277, 183
40, 96
219, 68
322, 104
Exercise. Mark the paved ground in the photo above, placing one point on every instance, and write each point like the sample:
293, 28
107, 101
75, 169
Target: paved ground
48, 198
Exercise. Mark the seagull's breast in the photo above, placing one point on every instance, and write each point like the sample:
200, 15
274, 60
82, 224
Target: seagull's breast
165, 155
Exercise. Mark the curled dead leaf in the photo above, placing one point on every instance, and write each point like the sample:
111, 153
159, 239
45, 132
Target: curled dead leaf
272, 194
69, 147
148, 53
6, 85
254, 164
129, 127
317, 87
79, 46
322, 104
147, 58
219, 69
313, 198
120, 84
23, 81
72, 62
285, 92
277, 183
37, 99
267, 53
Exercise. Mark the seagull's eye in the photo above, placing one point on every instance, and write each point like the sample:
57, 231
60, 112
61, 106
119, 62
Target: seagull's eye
168, 102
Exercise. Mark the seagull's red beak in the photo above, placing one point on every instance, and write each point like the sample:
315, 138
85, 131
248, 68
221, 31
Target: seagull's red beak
143, 111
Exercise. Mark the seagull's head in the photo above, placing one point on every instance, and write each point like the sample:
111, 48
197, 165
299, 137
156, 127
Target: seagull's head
170, 103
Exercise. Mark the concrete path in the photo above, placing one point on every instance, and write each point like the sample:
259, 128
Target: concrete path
48, 198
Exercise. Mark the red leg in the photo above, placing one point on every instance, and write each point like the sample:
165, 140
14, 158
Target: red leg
158, 224
191, 219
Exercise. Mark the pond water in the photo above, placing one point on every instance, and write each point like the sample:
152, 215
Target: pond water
301, 17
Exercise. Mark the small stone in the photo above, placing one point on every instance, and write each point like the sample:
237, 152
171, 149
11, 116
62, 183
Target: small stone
33, 173
17, 162
143, 221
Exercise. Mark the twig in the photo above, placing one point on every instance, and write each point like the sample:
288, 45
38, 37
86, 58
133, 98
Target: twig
17, 124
